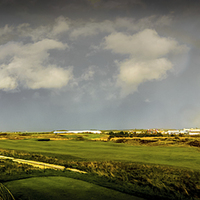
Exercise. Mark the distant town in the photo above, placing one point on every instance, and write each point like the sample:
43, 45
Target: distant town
185, 131
131, 132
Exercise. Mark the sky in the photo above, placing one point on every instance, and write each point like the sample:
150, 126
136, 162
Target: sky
99, 64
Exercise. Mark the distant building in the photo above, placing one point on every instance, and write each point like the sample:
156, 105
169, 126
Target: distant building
57, 132
194, 131
82, 131
185, 131
138, 132
176, 132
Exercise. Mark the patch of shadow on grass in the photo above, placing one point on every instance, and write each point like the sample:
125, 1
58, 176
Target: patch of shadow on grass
43, 139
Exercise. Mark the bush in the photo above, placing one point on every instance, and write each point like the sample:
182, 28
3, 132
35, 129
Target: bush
194, 143
2, 134
121, 141
147, 141
119, 134
80, 138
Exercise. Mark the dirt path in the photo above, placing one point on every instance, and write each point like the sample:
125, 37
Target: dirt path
41, 164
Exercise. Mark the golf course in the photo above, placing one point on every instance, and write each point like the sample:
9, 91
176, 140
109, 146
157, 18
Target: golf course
113, 170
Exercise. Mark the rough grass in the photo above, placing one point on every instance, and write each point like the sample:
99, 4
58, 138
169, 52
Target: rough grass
165, 181
8, 168
159, 141
52, 136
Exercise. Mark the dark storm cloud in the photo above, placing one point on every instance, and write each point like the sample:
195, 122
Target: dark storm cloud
172, 5
76, 8
94, 8
106, 4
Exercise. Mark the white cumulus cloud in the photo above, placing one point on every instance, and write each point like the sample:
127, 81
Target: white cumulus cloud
28, 66
133, 73
148, 57
144, 45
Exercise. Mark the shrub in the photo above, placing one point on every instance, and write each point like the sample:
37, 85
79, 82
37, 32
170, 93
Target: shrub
194, 143
147, 141
121, 141
80, 138
2, 134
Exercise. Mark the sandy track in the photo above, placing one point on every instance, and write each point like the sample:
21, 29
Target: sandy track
41, 164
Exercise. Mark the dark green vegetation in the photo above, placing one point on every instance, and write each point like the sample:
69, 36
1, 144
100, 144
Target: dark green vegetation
62, 188
153, 168
5, 194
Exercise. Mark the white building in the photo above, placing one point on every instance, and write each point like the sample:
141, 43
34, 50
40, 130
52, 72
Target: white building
57, 132
82, 131
194, 131
176, 132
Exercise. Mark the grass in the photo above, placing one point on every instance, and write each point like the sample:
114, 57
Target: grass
11, 172
54, 188
157, 180
50, 135
5, 194
148, 181
138, 168
104, 151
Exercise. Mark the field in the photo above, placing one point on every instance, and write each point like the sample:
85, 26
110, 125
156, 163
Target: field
106, 151
151, 168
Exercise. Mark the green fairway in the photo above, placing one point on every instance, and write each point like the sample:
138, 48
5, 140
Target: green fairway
100, 151
54, 188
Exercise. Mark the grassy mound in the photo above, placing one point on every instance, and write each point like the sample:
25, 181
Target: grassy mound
40, 188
